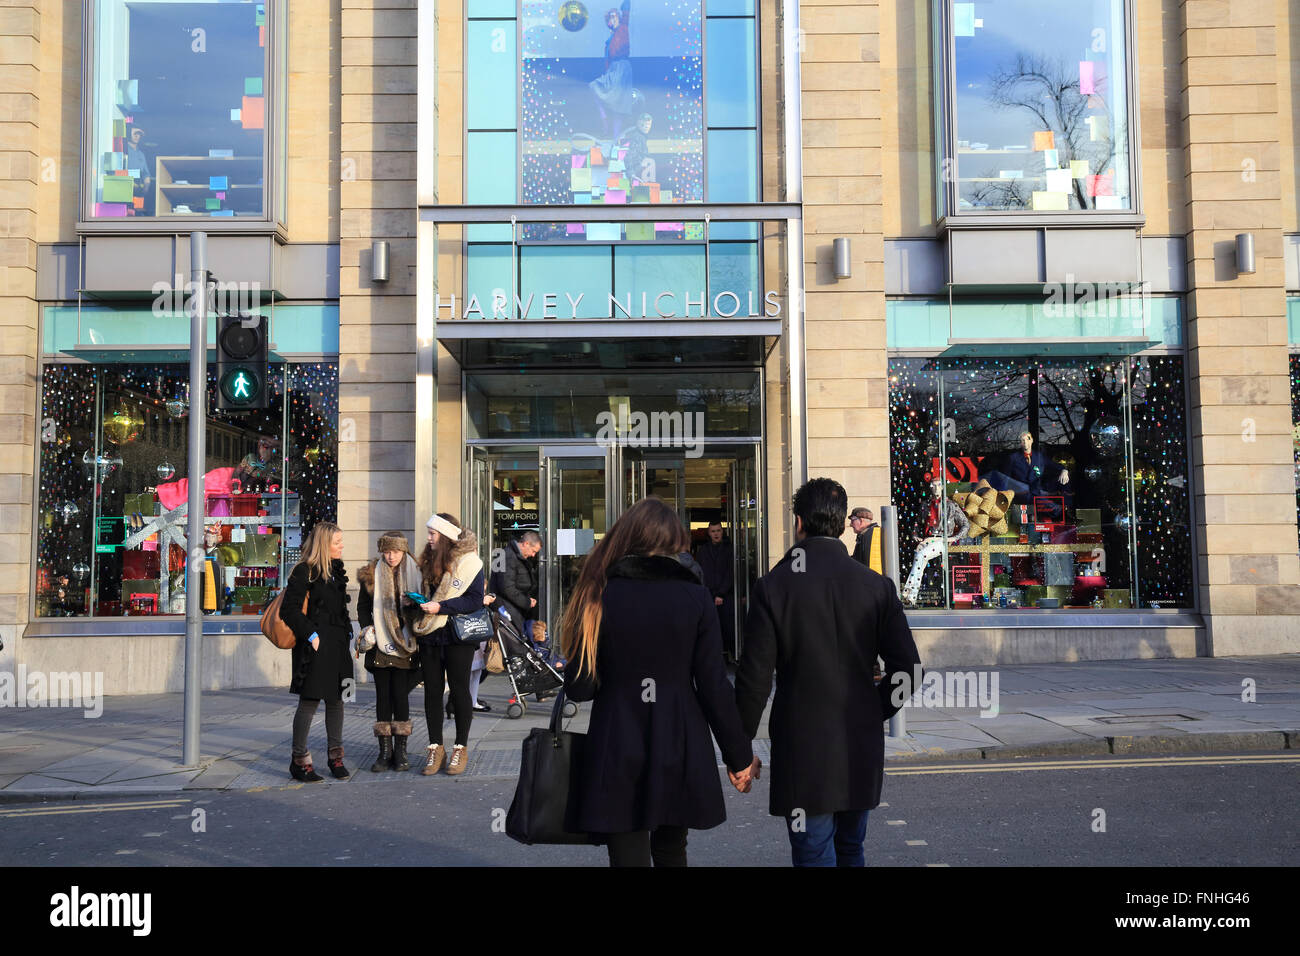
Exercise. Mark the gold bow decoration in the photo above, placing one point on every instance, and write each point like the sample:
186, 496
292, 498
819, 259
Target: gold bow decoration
986, 509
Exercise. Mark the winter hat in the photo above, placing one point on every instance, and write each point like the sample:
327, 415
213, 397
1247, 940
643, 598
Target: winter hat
394, 541
444, 527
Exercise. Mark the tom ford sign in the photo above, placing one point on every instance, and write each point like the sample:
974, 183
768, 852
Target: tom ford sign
662, 304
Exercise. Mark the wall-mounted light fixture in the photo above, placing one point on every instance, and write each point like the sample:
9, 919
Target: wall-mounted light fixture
843, 266
379, 260
1245, 253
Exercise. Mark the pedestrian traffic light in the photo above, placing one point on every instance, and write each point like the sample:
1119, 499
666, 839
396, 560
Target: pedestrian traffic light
242, 349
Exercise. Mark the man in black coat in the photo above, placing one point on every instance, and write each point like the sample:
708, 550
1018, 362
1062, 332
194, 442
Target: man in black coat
717, 561
515, 584
820, 619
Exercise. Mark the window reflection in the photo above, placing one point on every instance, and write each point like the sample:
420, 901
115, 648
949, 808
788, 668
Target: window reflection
1041, 105
178, 127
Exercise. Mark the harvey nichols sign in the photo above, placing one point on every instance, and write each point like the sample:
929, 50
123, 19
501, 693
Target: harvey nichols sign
724, 305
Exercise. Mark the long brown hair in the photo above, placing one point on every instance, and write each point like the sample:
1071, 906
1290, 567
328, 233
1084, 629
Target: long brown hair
648, 527
435, 562
317, 553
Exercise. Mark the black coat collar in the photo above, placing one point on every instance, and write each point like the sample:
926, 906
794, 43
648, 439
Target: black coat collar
651, 567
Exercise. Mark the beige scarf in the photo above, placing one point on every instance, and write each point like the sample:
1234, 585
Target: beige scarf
454, 583
391, 637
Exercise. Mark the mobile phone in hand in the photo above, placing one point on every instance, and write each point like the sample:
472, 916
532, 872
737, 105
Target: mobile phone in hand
417, 598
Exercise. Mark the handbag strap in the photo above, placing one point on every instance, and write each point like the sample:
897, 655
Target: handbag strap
557, 712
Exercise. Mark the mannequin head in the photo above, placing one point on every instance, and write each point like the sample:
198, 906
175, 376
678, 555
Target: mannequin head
1026, 442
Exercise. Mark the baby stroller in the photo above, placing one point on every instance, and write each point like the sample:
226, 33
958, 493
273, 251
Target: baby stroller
527, 671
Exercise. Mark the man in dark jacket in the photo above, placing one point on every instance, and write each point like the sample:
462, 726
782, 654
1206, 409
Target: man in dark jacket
820, 619
717, 561
515, 584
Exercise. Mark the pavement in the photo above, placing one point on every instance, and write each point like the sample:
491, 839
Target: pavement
1197, 705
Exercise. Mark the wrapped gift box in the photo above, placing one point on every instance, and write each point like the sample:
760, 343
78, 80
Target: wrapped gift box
1088, 519
1117, 597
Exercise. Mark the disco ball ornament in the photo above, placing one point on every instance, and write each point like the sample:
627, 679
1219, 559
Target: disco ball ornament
64, 437
572, 16
166, 471
177, 407
911, 441
67, 511
1124, 522
1107, 438
122, 428
1092, 474
98, 468
311, 454
81, 570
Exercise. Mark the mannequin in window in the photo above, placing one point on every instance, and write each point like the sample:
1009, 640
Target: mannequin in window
1029, 474
947, 521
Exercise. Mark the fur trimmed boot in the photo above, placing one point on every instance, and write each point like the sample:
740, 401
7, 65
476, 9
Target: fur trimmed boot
401, 730
384, 732
300, 768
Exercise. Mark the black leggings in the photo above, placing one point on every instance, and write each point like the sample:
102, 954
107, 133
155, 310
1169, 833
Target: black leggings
453, 661
666, 846
302, 719
392, 694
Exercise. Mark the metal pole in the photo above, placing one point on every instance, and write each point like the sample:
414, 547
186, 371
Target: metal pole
194, 523
889, 528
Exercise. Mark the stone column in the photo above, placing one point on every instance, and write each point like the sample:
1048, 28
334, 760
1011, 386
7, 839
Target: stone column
377, 348
848, 414
1237, 346
20, 30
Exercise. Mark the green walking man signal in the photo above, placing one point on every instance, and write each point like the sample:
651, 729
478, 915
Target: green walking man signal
242, 352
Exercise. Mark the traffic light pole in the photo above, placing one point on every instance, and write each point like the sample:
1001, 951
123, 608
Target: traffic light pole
194, 564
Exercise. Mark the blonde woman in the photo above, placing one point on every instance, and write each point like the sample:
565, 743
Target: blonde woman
453, 574
386, 616
321, 660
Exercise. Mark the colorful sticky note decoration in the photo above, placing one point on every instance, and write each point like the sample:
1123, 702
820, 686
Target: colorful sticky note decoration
252, 112
1087, 78
1044, 139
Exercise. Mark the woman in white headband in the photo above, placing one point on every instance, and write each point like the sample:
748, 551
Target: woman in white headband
453, 573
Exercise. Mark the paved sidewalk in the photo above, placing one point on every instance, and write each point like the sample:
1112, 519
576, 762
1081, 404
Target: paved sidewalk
1156, 706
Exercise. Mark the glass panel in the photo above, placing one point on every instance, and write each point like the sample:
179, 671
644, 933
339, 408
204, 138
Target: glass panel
490, 83
733, 165
550, 405
613, 105
575, 520
730, 95
311, 329
179, 104
1161, 493
721, 8
733, 267
1042, 110
490, 8
1063, 533
490, 168
578, 270
111, 532
660, 279
1293, 319
488, 278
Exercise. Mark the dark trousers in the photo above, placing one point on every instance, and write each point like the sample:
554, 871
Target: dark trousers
665, 846
452, 662
302, 724
392, 694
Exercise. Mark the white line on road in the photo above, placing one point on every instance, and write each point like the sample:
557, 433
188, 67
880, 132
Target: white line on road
1103, 762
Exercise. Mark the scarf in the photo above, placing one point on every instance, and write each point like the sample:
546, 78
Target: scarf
454, 583
390, 636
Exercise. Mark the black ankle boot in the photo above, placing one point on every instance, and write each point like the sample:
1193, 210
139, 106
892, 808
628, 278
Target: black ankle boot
399, 754
304, 773
385, 754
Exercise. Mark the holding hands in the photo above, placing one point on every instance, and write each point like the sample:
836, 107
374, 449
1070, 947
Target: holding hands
745, 779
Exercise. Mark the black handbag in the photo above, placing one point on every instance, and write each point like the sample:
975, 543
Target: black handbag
548, 778
472, 628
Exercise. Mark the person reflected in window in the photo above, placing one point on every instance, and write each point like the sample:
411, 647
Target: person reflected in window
717, 561
138, 163
641, 167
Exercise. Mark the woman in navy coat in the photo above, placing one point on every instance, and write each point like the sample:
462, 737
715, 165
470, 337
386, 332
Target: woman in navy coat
642, 639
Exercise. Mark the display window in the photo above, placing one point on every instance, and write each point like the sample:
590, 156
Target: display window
1295, 429
113, 494
179, 108
1026, 483
1039, 117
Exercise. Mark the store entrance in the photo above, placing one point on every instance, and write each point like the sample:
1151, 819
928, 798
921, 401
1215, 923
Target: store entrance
572, 493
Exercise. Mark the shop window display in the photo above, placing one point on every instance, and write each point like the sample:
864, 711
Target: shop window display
114, 489
1029, 484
